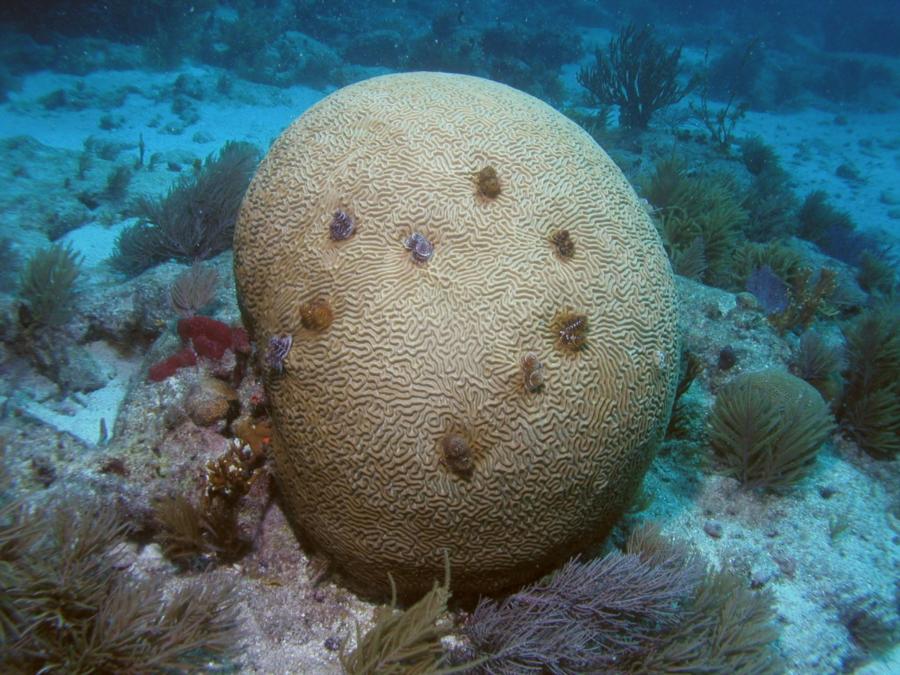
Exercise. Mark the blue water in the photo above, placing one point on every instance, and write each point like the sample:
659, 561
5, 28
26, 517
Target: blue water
786, 112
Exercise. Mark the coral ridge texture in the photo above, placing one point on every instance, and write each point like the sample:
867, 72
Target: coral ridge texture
422, 350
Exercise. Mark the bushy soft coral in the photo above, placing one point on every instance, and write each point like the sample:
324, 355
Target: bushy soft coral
869, 408
49, 285
195, 220
67, 605
590, 616
766, 428
637, 73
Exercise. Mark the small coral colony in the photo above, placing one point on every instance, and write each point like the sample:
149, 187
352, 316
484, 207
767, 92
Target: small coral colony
803, 279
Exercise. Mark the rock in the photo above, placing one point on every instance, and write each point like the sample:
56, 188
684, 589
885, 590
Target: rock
210, 400
889, 197
713, 528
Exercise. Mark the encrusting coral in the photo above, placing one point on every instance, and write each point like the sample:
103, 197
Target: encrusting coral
453, 378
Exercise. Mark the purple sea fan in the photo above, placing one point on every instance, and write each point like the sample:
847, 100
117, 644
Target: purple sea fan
420, 247
277, 351
769, 289
342, 226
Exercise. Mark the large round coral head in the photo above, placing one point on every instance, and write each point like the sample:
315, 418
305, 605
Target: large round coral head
476, 392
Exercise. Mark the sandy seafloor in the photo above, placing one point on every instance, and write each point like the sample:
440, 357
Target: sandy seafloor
782, 542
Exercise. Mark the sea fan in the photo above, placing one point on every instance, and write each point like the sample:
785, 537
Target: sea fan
769, 289
194, 289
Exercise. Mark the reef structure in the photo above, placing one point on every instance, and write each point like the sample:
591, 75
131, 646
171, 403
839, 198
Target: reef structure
480, 391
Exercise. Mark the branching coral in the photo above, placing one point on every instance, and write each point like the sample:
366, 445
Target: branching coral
809, 297
637, 73
194, 537
720, 124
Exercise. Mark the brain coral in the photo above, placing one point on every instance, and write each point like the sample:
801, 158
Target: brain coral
472, 331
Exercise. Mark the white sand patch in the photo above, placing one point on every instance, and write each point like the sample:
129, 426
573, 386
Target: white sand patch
95, 242
145, 114
763, 532
81, 415
812, 145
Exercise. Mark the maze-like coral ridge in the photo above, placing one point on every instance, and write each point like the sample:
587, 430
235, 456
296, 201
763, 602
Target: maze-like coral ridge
419, 351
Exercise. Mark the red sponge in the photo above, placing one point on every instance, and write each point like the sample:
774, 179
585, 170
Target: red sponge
204, 337
167, 367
